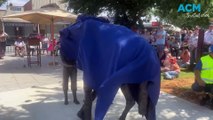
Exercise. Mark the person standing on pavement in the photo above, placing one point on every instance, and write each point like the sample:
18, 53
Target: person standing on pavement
204, 75
160, 40
69, 71
3, 37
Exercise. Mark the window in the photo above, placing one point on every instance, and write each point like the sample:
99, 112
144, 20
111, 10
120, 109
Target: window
15, 8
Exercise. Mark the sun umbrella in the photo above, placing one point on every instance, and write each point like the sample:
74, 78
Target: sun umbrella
48, 14
44, 15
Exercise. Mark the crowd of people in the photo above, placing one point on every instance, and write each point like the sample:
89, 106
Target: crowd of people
176, 49
179, 49
47, 46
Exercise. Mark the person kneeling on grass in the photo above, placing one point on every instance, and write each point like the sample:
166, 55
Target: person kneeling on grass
173, 70
204, 77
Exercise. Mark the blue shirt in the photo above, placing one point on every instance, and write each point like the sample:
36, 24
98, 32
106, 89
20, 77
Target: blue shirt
161, 41
198, 66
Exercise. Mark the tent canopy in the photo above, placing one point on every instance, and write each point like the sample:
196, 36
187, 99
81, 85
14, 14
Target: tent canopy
45, 15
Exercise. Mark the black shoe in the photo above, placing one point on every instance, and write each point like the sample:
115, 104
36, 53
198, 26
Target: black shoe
76, 102
204, 100
66, 102
211, 104
80, 114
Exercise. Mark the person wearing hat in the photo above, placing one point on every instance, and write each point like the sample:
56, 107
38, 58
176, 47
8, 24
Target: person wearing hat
204, 76
173, 69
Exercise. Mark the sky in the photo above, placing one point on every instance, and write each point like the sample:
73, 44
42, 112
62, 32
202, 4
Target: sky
14, 2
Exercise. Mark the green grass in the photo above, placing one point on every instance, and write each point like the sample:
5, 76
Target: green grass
184, 74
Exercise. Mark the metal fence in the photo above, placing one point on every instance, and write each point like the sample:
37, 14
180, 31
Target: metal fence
10, 49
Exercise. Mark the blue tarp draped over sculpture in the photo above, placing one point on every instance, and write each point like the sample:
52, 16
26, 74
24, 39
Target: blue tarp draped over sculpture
109, 56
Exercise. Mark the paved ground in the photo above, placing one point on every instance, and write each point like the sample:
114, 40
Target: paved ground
36, 94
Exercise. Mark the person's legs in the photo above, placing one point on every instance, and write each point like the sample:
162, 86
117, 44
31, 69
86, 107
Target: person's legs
192, 58
73, 75
22, 51
65, 84
168, 76
174, 74
16, 50
1, 50
196, 87
177, 53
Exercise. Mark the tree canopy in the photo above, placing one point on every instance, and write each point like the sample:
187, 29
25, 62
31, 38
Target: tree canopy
2, 1
183, 19
129, 12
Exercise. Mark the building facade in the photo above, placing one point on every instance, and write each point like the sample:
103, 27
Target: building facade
45, 29
17, 27
36, 4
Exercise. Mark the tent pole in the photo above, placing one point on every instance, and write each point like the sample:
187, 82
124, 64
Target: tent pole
38, 29
53, 40
2, 23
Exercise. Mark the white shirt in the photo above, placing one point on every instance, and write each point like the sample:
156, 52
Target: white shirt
19, 43
208, 37
193, 41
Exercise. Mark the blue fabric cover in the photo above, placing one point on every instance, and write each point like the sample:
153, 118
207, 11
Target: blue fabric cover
109, 56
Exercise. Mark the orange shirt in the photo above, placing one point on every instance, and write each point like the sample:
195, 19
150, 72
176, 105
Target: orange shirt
175, 67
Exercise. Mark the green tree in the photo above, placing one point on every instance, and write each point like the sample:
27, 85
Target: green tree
169, 13
125, 12
2, 1
129, 12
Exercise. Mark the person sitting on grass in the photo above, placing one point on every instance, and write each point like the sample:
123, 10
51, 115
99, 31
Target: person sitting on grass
185, 57
172, 71
204, 77
165, 60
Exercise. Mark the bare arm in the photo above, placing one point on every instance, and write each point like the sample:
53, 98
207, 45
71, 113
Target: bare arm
198, 78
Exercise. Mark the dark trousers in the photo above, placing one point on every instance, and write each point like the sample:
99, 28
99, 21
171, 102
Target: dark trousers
175, 52
2, 48
207, 88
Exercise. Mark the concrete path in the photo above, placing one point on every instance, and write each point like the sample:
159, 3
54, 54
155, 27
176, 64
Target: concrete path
36, 94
